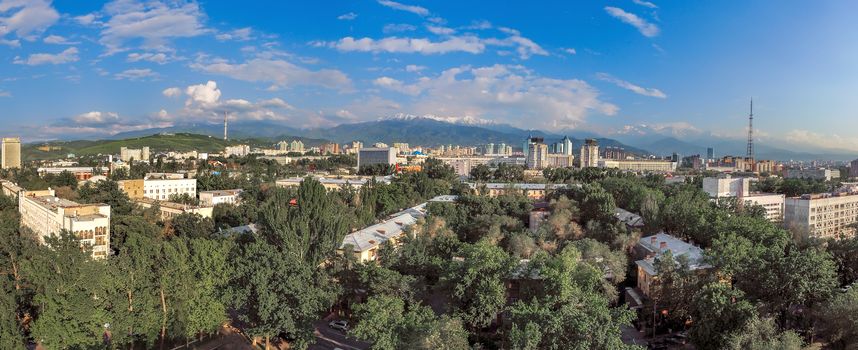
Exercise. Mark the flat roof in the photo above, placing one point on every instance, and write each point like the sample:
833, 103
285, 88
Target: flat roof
676, 246
223, 192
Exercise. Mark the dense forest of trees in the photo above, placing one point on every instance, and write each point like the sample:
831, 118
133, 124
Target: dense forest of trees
469, 275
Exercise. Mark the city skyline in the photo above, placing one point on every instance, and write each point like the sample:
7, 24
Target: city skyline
616, 68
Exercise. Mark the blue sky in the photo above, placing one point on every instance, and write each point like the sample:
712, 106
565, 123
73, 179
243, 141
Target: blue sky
680, 68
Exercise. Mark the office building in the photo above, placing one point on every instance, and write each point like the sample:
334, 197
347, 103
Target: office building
853, 168
648, 249
11, 153
46, 215
212, 198
237, 150
710, 153
128, 154
823, 215
638, 165
374, 155
537, 154
567, 146
159, 188
589, 154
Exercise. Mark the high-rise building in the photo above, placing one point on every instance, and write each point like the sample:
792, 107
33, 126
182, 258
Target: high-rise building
490, 148
296, 146
330, 148
589, 154
710, 153
567, 146
537, 154
370, 156
615, 153
283, 146
11, 153
853, 168
525, 147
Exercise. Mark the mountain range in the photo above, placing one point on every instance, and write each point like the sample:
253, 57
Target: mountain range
435, 131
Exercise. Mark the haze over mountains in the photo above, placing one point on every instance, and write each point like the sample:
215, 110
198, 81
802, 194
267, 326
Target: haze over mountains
433, 131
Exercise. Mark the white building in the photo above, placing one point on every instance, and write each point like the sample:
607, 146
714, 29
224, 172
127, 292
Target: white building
773, 203
638, 165
813, 174
826, 215
46, 215
158, 189
212, 198
169, 210
127, 154
237, 150
740, 187
589, 154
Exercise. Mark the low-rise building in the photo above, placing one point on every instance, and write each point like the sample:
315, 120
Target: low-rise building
80, 172
212, 198
812, 174
46, 215
648, 249
639, 165
376, 155
535, 191
824, 215
169, 210
740, 188
237, 150
159, 188
10, 189
334, 183
631, 220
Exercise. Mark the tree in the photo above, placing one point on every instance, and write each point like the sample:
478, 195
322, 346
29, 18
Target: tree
191, 225
763, 334
597, 204
437, 169
106, 192
481, 173
134, 310
389, 323
11, 335
718, 312
838, 320
66, 286
508, 173
477, 281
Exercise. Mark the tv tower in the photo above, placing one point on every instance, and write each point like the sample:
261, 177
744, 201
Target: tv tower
225, 124
751, 132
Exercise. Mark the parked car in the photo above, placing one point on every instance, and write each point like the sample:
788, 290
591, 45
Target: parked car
340, 324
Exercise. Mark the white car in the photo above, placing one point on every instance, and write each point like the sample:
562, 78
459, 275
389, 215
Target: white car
341, 325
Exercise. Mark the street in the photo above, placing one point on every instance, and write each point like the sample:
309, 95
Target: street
330, 339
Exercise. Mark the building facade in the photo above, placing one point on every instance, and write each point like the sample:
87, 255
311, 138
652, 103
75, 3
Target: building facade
46, 215
212, 198
853, 168
639, 165
11, 153
374, 155
648, 249
826, 215
128, 154
169, 210
589, 154
237, 150
537, 154
158, 189
813, 174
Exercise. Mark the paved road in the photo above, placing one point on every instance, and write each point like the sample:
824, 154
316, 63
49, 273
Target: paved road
330, 339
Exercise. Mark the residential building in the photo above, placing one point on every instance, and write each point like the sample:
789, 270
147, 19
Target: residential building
10, 189
813, 174
402, 147
212, 198
559, 161
823, 215
489, 149
615, 153
853, 168
648, 249
128, 154
334, 183
463, 165
639, 165
237, 150
158, 188
541, 211
773, 203
631, 220
10, 147
567, 146
80, 173
589, 154
740, 187
537, 153
354, 147
535, 191
46, 215
330, 148
296, 146
375, 155
169, 210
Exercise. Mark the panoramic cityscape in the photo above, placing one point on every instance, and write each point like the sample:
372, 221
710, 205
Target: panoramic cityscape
379, 174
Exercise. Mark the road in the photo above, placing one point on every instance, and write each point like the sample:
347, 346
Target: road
330, 339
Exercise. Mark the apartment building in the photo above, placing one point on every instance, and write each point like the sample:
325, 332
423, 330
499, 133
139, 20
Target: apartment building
462, 165
740, 187
559, 161
237, 150
535, 191
128, 154
537, 154
639, 165
158, 188
648, 249
10, 189
589, 154
334, 183
169, 210
825, 215
10, 153
46, 215
812, 174
212, 198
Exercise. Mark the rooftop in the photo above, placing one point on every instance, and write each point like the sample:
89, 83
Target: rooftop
628, 218
661, 242
220, 193
392, 227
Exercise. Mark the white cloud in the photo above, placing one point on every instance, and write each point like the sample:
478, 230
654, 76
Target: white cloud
421, 11
645, 4
651, 92
830, 141
242, 34
85, 19
172, 92
469, 44
95, 118
398, 27
58, 40
203, 94
152, 23
479, 25
135, 74
5, 93
414, 68
159, 58
279, 72
66, 56
504, 93
26, 18
438, 30
347, 16
569, 50
11, 43
646, 28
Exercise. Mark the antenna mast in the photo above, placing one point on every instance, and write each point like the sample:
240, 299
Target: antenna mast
225, 123
751, 132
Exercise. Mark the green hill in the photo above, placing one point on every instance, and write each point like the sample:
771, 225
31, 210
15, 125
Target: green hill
180, 142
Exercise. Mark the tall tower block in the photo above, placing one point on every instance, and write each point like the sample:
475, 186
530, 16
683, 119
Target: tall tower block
751, 132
